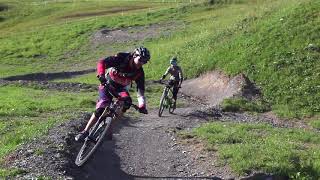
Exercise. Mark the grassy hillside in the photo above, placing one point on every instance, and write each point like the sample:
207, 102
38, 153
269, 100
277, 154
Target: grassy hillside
266, 40
260, 147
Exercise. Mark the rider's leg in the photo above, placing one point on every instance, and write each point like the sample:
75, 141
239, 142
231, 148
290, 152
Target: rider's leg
94, 117
103, 101
174, 94
127, 101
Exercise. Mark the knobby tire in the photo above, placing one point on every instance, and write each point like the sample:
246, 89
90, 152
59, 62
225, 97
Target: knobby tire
170, 97
162, 101
80, 160
171, 109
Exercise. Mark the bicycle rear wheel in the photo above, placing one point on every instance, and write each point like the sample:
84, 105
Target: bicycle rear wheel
94, 139
163, 101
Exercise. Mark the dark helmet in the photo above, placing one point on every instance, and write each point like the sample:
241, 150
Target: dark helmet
173, 61
142, 52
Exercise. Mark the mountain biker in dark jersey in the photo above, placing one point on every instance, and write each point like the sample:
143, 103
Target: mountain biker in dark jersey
176, 77
123, 68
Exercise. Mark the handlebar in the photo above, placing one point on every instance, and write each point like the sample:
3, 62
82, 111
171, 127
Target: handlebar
161, 82
138, 109
135, 107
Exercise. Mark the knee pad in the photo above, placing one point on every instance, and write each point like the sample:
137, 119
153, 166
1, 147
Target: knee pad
98, 112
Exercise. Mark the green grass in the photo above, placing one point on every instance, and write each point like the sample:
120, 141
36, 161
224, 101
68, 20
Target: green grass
90, 78
242, 104
45, 46
10, 173
18, 101
26, 113
261, 147
264, 40
315, 123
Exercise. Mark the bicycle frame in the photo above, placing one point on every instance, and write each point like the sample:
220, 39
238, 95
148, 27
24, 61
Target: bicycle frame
99, 130
166, 100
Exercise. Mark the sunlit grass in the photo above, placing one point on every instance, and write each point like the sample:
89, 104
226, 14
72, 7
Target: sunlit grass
265, 40
18, 101
260, 147
26, 113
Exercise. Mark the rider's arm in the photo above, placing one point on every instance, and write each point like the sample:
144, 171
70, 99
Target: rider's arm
105, 63
166, 73
180, 76
140, 81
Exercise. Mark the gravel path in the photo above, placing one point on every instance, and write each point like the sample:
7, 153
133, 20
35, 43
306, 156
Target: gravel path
144, 146
148, 147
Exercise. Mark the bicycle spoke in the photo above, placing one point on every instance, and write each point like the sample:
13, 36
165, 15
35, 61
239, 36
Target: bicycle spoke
92, 142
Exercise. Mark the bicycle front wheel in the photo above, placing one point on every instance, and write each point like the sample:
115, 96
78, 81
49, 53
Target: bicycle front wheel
171, 107
94, 139
163, 101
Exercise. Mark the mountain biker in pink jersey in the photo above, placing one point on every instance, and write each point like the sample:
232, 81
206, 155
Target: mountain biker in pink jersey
123, 68
176, 77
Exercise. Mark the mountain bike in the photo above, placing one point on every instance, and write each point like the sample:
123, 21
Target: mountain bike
99, 130
166, 100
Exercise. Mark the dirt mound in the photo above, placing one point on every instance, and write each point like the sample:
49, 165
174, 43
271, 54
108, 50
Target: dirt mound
3, 7
59, 86
137, 33
49, 76
215, 86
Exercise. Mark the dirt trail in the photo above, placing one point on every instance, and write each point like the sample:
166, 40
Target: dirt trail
144, 147
148, 147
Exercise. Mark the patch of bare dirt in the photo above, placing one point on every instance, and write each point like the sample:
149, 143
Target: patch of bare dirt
105, 12
214, 87
137, 33
43, 81
3, 7
48, 76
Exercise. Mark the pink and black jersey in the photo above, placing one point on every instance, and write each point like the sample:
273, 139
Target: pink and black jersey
121, 72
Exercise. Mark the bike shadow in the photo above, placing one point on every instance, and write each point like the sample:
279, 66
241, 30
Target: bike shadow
104, 164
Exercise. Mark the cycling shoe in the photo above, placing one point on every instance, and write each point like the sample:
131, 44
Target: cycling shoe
81, 136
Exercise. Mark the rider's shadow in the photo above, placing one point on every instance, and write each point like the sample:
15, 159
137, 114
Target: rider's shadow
104, 164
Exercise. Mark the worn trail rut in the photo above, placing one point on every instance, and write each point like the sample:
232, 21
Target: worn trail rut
148, 147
